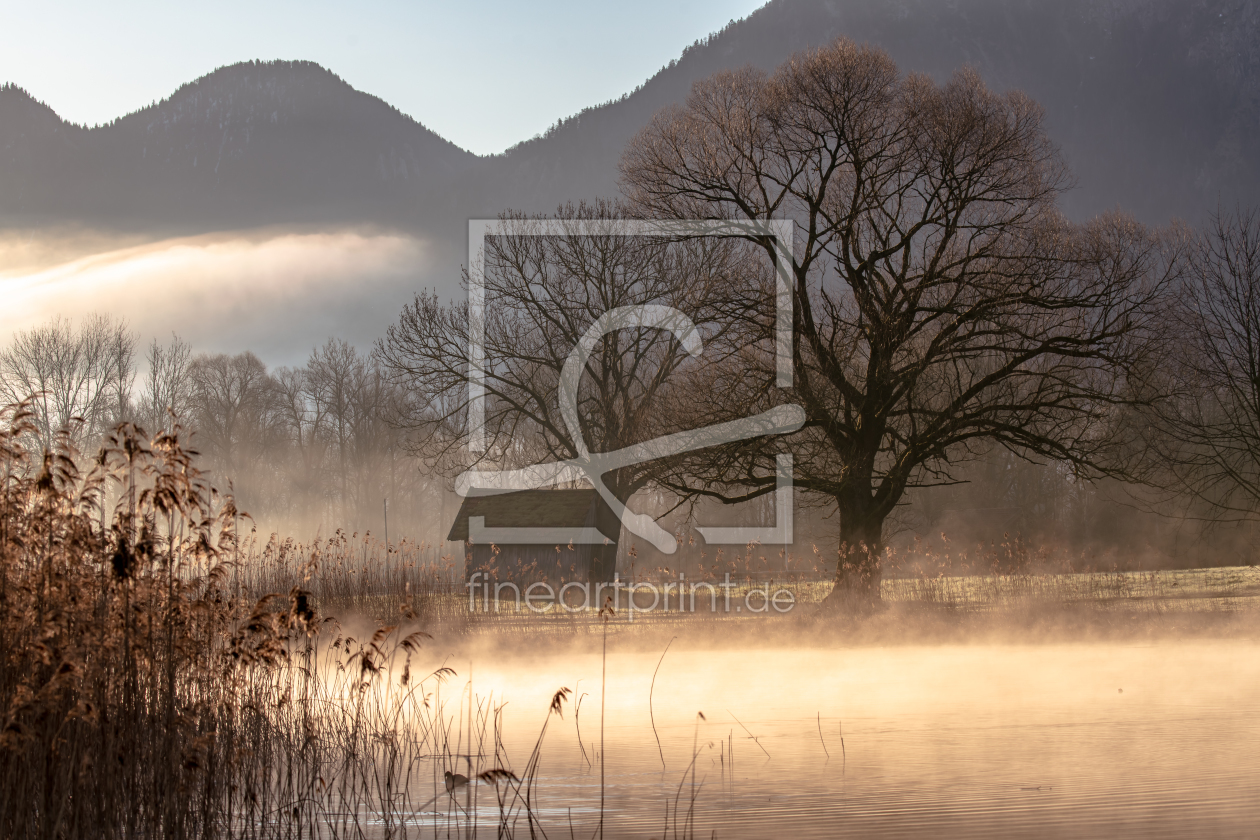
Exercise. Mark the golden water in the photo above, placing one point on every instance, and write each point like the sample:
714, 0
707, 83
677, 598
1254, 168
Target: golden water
1073, 740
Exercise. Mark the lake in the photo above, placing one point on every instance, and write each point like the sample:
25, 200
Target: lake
1072, 740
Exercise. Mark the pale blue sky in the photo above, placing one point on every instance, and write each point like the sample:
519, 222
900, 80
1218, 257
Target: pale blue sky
485, 75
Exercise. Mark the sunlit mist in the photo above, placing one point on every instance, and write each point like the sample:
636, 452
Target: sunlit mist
278, 293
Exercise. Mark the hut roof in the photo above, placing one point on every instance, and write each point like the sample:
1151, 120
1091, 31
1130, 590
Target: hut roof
546, 508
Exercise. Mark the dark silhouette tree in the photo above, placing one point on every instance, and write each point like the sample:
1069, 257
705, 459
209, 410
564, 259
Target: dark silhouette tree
940, 300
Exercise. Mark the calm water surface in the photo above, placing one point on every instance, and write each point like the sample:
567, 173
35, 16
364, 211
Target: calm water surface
1074, 740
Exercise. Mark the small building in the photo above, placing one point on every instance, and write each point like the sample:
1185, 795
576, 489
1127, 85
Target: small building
572, 536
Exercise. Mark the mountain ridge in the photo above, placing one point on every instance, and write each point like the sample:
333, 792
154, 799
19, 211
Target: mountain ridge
246, 142
1113, 76
1155, 104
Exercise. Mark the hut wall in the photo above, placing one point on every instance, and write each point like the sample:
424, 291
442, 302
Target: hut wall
525, 564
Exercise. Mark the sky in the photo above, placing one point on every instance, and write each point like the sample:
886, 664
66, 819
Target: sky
484, 75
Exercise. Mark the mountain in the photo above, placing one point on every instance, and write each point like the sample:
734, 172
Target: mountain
1154, 103
36, 147
253, 143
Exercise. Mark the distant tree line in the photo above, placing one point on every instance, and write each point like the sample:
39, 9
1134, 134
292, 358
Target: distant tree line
305, 446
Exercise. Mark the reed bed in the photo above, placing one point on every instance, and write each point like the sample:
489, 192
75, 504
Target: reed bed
147, 692
1010, 575
352, 574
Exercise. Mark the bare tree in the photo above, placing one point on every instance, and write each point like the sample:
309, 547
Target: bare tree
233, 405
302, 420
350, 399
168, 387
1209, 428
544, 291
379, 451
940, 301
73, 374
333, 376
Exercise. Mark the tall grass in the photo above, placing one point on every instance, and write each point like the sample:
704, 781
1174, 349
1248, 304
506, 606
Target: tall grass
145, 691
360, 575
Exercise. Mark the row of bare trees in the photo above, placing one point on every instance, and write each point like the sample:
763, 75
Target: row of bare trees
307, 447
81, 378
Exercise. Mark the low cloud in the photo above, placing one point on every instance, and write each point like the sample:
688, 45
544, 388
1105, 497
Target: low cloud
277, 293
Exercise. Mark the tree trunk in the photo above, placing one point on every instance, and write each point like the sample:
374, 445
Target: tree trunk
858, 572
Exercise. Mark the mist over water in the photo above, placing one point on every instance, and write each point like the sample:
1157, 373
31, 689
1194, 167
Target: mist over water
1037, 740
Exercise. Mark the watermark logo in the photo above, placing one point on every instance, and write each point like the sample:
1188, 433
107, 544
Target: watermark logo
592, 466
486, 595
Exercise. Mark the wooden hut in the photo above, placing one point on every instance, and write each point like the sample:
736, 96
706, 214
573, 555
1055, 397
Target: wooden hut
549, 551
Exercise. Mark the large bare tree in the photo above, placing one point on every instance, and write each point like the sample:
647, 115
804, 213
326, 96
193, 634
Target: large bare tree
940, 300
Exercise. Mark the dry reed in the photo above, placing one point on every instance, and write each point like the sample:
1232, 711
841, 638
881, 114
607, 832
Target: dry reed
147, 690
